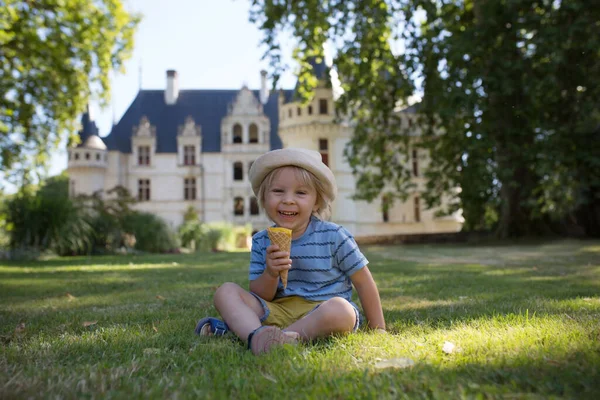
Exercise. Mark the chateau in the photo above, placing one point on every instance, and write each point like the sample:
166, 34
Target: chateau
174, 148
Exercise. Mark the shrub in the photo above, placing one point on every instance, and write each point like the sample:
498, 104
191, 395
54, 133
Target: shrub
152, 234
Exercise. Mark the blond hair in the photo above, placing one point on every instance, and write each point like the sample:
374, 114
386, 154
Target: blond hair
323, 211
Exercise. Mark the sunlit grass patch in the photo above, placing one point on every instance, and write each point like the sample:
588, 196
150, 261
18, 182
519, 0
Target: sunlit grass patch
521, 322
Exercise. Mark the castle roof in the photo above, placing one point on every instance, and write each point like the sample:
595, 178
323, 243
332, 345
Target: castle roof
206, 107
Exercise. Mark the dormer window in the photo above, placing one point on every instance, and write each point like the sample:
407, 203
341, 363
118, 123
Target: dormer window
237, 133
143, 155
189, 155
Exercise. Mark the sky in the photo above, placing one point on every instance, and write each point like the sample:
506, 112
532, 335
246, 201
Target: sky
210, 43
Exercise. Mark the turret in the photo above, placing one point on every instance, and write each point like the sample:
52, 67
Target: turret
88, 161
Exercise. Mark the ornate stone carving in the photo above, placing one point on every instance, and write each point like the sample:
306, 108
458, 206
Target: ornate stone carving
189, 128
144, 129
246, 104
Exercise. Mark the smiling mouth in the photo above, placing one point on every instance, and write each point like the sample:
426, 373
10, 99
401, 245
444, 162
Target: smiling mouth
288, 213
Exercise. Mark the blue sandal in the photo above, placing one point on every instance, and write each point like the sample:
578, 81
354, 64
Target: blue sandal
210, 326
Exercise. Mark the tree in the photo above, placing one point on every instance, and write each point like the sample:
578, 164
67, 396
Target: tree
509, 99
54, 55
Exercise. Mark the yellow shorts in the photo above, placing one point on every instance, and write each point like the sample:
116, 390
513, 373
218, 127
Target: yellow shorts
285, 311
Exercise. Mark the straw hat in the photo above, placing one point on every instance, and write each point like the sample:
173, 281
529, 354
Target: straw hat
309, 160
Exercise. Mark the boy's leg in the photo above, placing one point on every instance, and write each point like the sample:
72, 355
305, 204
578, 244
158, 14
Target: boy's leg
240, 309
335, 315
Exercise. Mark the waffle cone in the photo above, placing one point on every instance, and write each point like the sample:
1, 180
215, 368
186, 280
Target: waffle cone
282, 237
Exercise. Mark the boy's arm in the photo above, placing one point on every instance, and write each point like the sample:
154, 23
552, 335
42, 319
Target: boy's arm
265, 286
369, 297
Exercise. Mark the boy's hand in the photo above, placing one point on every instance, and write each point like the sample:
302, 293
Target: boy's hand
277, 261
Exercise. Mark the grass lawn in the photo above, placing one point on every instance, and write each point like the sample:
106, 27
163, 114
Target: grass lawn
524, 321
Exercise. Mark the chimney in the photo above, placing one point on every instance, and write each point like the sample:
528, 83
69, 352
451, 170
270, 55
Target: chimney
264, 90
172, 91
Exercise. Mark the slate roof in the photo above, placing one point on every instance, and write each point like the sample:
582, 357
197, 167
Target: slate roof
206, 107
88, 128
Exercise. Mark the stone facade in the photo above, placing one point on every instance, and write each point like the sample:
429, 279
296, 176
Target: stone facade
175, 149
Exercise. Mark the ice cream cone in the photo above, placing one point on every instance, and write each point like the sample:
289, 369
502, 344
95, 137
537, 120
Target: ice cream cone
282, 237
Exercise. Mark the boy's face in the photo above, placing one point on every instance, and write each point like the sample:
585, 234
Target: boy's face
289, 202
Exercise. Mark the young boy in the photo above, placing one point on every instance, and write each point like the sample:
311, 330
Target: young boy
295, 188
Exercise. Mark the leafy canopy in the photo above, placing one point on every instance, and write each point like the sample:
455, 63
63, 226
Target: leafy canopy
54, 55
509, 99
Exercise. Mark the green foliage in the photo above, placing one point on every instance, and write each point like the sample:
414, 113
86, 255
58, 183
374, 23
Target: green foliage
152, 234
509, 100
48, 219
54, 56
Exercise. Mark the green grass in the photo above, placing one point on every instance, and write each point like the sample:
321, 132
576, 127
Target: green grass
525, 320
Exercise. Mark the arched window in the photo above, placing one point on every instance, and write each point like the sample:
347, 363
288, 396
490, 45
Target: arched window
238, 171
237, 133
253, 133
253, 206
238, 206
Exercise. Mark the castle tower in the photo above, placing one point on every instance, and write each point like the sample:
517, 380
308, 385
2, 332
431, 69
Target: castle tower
313, 126
88, 161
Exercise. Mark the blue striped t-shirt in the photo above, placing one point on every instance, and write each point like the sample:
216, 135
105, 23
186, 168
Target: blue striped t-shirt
323, 259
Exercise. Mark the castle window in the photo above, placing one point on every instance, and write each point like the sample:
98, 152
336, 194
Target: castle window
143, 189
189, 188
323, 107
386, 202
309, 110
97, 156
237, 133
417, 209
143, 155
253, 206
299, 111
253, 133
77, 156
415, 163
189, 155
87, 156
324, 150
238, 206
238, 171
